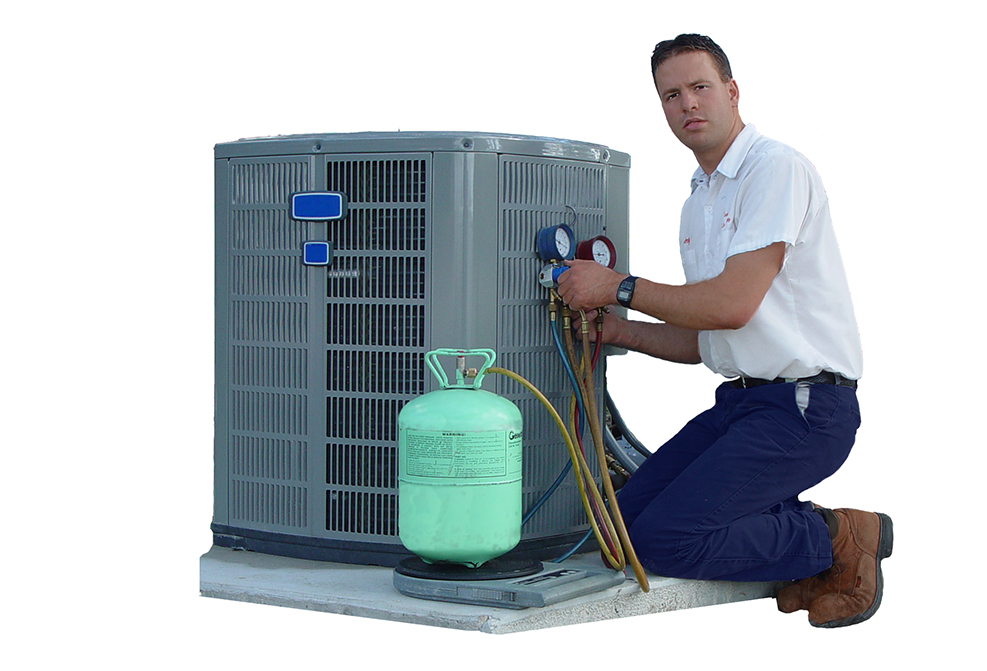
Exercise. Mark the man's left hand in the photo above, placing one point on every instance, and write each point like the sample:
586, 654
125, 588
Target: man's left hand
587, 285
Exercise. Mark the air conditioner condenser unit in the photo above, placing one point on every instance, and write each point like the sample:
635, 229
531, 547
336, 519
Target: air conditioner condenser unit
323, 322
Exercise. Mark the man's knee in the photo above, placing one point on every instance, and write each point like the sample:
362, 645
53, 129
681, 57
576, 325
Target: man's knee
665, 550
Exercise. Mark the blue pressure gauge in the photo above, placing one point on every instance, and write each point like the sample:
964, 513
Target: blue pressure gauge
556, 243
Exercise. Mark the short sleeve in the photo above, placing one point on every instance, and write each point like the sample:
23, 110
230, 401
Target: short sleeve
773, 203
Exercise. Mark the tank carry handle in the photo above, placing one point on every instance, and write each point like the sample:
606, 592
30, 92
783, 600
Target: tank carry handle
462, 373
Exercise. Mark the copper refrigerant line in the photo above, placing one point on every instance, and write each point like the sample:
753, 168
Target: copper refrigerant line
607, 526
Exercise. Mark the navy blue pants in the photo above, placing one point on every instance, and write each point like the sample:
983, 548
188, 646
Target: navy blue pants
720, 499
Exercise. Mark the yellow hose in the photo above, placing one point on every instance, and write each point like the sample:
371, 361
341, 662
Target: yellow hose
584, 377
594, 423
578, 463
617, 562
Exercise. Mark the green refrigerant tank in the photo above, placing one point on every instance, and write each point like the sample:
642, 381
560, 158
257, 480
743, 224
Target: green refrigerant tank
459, 468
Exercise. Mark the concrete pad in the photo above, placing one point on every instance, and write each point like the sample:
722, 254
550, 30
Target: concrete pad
368, 591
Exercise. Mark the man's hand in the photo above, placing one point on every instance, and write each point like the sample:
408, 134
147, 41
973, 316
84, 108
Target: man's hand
611, 325
588, 285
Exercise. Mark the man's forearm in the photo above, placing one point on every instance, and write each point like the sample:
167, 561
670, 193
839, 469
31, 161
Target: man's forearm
664, 341
727, 301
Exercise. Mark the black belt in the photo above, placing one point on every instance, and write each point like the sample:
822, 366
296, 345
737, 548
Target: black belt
825, 377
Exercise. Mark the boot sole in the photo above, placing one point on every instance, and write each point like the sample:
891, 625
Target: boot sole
884, 546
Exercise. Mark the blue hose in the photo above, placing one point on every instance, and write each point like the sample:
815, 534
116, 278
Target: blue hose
579, 427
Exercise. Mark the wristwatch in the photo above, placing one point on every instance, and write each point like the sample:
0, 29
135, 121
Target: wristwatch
626, 291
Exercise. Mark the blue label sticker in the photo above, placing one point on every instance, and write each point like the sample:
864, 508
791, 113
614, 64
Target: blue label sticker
317, 253
318, 206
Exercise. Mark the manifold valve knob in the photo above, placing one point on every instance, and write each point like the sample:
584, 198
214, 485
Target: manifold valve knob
549, 275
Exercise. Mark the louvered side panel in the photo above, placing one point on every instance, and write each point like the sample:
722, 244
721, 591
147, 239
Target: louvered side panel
536, 193
268, 403
376, 316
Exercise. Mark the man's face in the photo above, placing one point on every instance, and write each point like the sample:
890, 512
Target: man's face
701, 109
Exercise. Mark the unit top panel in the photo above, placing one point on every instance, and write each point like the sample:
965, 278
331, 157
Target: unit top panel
445, 141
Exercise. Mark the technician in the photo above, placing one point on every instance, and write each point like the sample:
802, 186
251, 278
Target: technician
766, 304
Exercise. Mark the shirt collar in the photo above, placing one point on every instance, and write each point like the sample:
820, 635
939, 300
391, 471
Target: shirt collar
730, 163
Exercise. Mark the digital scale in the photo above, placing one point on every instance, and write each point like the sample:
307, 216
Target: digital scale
526, 585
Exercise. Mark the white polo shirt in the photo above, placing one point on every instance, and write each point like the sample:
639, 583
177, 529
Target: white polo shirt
764, 192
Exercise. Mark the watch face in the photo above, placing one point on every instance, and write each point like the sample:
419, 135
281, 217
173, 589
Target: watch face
625, 291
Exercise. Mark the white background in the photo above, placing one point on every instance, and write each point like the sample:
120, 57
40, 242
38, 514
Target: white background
111, 113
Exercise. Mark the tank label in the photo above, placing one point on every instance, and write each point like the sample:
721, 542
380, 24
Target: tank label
462, 454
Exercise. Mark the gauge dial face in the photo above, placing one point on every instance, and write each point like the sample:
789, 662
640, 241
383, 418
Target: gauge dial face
599, 249
555, 243
562, 242
602, 253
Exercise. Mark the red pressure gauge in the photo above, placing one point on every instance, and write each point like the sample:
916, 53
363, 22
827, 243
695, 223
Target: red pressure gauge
599, 249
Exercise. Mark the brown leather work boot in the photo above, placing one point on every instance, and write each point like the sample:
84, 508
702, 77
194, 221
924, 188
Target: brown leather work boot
799, 595
852, 592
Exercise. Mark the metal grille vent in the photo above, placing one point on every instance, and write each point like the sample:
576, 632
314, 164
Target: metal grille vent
267, 356
376, 372
371, 419
267, 182
269, 458
524, 324
264, 229
280, 367
363, 513
269, 322
270, 504
376, 316
361, 466
384, 277
376, 325
380, 181
380, 228
275, 276
535, 193
533, 182
266, 412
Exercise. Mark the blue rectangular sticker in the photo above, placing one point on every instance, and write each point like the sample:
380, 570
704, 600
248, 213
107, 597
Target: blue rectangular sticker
318, 206
317, 253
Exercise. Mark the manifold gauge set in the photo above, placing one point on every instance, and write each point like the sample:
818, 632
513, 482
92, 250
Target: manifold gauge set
557, 244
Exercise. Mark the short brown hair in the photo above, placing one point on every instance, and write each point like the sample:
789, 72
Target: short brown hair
691, 42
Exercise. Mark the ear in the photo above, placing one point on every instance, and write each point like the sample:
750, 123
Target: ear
734, 92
